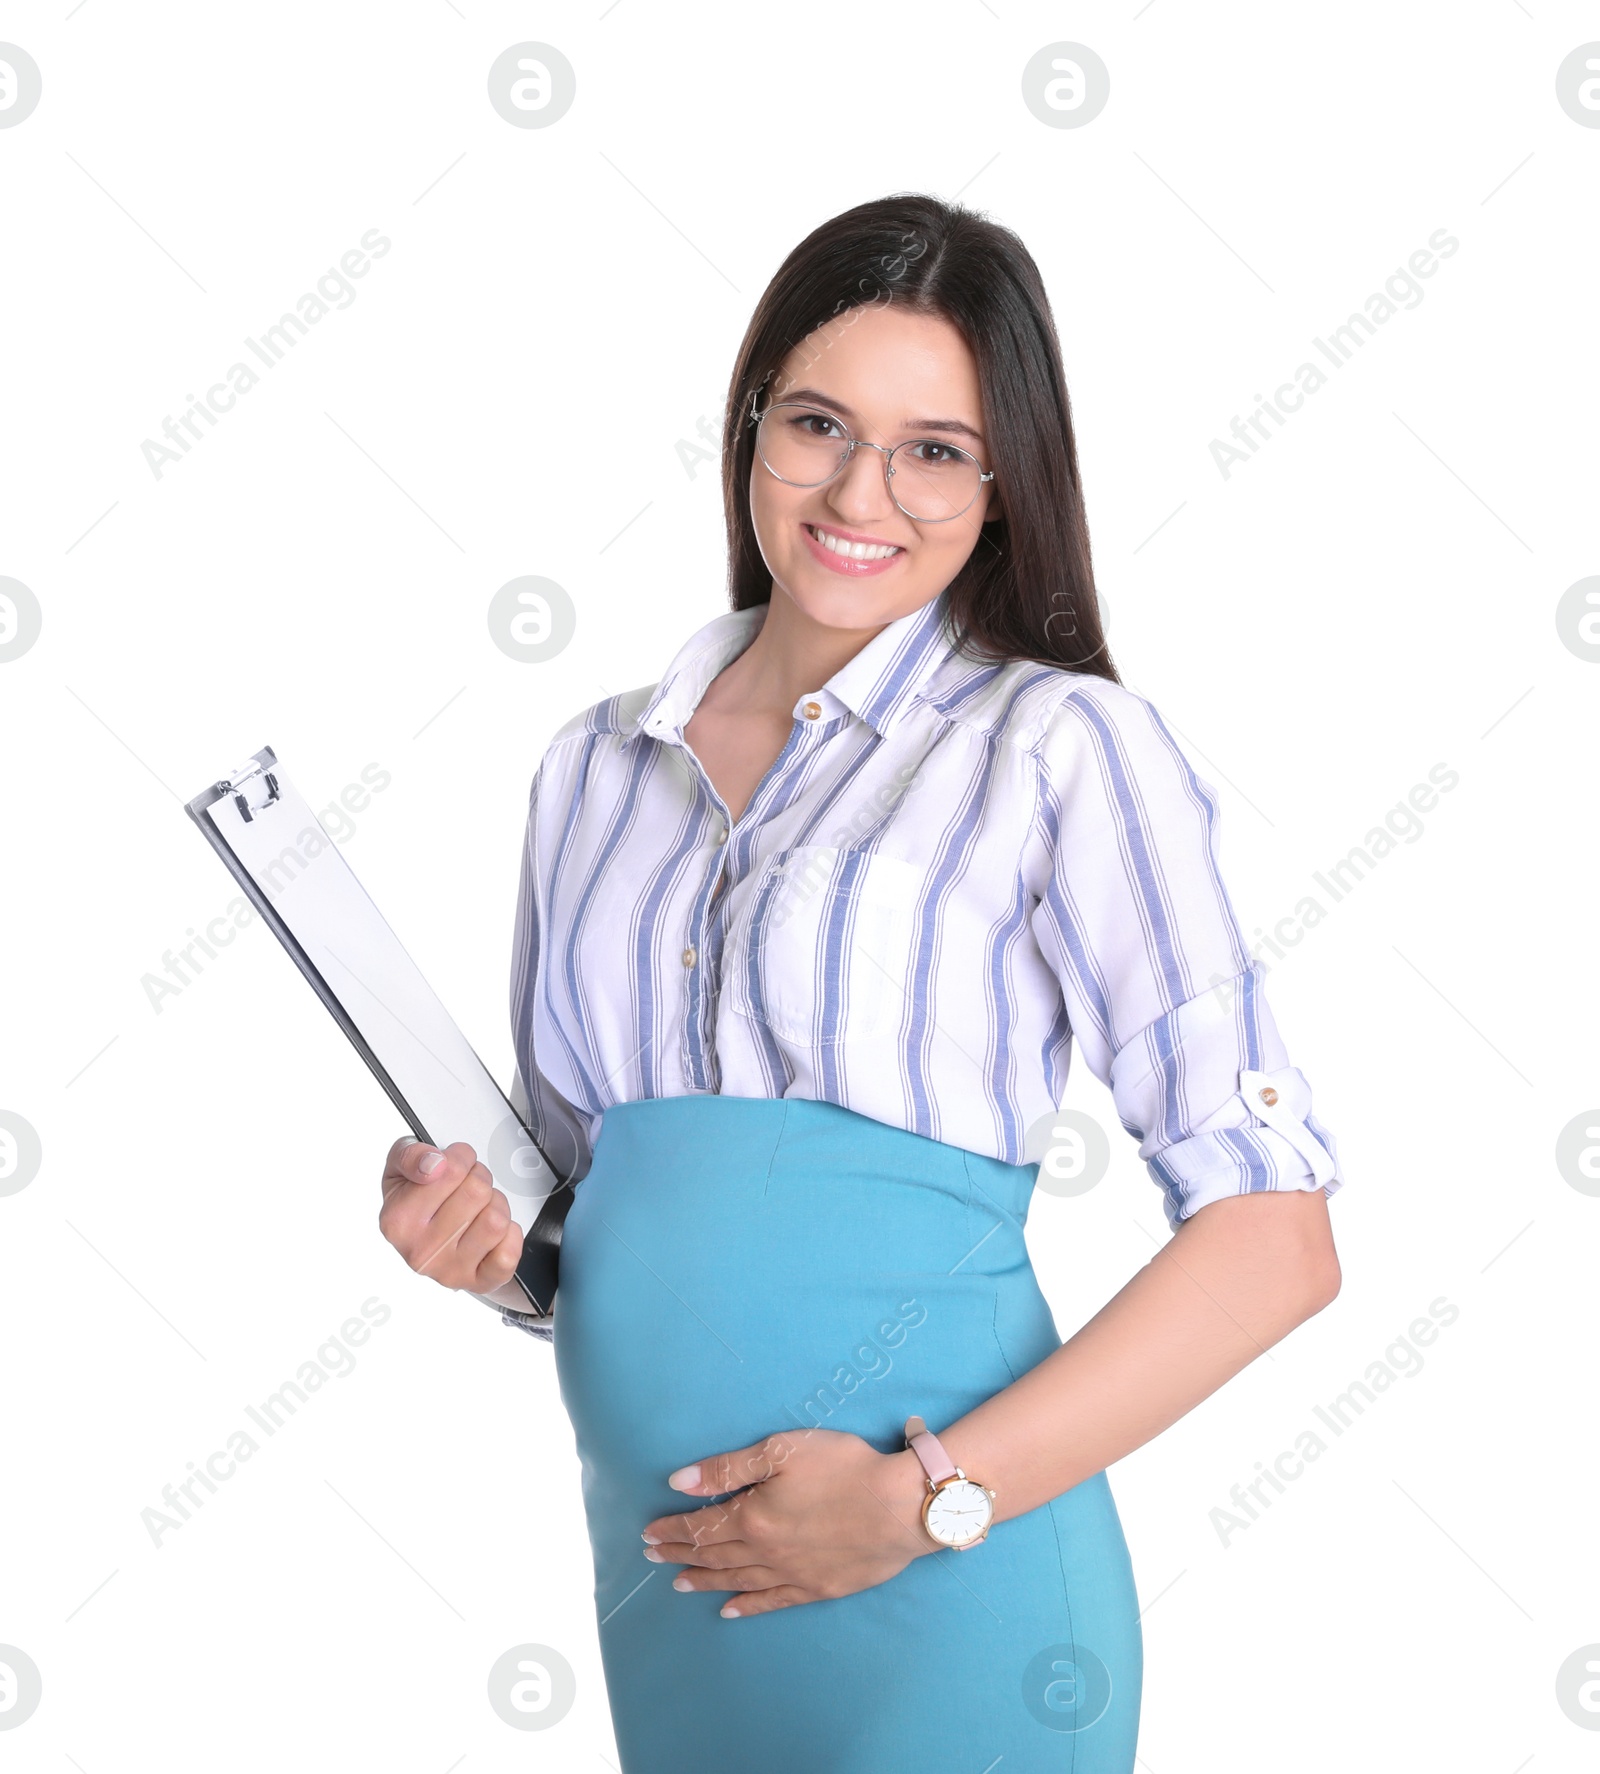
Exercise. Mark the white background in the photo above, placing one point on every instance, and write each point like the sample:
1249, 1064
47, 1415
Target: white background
1372, 594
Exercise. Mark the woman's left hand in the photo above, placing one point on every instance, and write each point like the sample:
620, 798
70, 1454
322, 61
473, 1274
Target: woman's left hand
825, 1515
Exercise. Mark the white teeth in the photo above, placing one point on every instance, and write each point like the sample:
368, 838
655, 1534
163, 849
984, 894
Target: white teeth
857, 551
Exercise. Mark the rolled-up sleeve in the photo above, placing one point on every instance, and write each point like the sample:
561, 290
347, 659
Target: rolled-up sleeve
1161, 994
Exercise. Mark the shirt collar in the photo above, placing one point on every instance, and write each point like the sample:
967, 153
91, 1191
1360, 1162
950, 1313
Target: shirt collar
694, 665
878, 685
886, 676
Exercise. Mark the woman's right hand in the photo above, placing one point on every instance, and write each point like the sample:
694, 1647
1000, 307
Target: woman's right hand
444, 1215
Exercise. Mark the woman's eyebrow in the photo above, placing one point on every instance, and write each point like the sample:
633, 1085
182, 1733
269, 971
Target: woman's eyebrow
815, 398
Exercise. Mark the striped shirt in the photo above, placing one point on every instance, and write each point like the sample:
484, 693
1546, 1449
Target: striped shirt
954, 871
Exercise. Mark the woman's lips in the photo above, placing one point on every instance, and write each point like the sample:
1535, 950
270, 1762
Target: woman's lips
847, 564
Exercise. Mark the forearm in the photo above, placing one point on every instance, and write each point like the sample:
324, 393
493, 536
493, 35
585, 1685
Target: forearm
1232, 1281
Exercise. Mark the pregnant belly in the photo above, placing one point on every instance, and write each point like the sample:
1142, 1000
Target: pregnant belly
733, 1267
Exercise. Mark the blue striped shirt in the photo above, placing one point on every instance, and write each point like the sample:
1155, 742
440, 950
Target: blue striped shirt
954, 871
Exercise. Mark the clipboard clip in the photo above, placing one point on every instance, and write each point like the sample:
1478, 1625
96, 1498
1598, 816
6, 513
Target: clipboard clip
253, 785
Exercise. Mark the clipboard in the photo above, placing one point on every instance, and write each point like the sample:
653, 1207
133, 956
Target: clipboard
297, 879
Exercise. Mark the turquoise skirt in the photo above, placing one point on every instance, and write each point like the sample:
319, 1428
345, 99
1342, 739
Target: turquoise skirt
735, 1266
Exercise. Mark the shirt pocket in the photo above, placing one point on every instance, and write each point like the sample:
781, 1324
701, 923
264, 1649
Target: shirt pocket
826, 955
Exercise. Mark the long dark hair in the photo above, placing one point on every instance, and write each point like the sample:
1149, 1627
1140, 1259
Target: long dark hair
1027, 590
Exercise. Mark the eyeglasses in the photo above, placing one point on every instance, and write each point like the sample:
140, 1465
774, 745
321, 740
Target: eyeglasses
930, 480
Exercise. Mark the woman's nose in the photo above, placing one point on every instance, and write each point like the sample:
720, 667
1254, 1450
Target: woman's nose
860, 490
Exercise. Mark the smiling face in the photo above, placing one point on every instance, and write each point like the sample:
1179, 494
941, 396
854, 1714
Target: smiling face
844, 552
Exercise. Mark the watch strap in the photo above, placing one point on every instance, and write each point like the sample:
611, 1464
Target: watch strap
930, 1451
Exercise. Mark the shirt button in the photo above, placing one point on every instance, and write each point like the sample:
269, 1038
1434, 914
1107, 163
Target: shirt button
688, 956
1269, 1096
812, 710
722, 835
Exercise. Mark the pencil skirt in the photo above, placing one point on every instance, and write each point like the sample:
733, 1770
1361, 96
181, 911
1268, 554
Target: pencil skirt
736, 1266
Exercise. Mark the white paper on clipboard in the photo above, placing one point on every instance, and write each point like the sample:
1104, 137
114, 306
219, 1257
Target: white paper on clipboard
301, 885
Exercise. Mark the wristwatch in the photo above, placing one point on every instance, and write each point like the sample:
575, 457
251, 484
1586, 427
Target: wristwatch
957, 1510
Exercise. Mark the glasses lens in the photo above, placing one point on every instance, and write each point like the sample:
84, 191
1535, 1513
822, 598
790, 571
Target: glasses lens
933, 481
802, 445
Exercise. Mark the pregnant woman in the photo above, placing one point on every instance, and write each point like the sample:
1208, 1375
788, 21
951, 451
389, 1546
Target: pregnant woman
807, 933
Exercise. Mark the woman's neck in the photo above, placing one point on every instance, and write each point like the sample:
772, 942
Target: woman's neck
791, 654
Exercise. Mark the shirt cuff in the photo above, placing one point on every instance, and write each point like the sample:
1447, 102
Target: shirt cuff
533, 1323
1276, 1144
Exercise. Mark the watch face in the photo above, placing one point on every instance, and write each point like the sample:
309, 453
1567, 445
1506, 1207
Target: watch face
958, 1512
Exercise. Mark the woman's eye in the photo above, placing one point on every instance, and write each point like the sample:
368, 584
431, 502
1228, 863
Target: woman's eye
935, 455
826, 427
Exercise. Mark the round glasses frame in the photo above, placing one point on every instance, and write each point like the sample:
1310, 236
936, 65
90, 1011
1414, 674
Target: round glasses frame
851, 443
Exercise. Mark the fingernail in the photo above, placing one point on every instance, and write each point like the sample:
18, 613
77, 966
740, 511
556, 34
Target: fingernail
685, 1477
729, 1613
681, 1583
651, 1539
427, 1166
651, 1554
